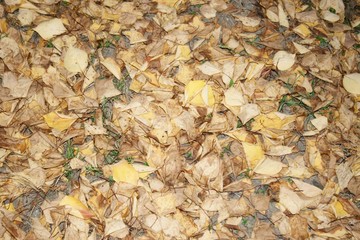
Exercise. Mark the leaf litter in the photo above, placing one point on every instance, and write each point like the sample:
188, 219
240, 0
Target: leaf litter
179, 119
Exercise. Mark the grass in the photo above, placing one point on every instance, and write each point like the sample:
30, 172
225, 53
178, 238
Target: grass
188, 155
68, 171
69, 150
231, 83
130, 159
106, 108
262, 189
323, 42
247, 125
119, 84
245, 174
226, 150
96, 171
112, 157
49, 44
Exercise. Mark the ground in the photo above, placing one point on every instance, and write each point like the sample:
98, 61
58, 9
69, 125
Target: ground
179, 119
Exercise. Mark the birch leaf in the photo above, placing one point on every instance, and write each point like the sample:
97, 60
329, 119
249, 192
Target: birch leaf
351, 83
75, 60
284, 60
59, 121
125, 172
51, 28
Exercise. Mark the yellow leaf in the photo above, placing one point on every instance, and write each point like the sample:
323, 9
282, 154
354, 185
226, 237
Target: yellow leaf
198, 93
170, 3
125, 172
183, 53
339, 210
59, 121
314, 155
134, 36
272, 120
78, 209
302, 30
253, 153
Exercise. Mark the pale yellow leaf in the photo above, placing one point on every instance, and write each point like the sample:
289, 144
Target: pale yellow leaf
300, 48
59, 121
290, 200
198, 93
233, 97
351, 83
254, 154
143, 170
279, 150
125, 172
183, 53
165, 204
248, 111
339, 210
51, 28
209, 68
314, 155
269, 167
116, 228
320, 122
284, 60
329, 16
307, 189
134, 36
344, 174
112, 66
282, 16
78, 209
302, 30
75, 60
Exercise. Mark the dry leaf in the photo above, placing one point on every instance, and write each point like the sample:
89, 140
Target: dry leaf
51, 28
59, 121
351, 83
198, 93
125, 172
75, 60
284, 60
77, 208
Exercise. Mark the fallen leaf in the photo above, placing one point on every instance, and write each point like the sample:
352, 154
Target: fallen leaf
51, 28
77, 208
351, 83
125, 172
59, 121
254, 154
284, 60
269, 167
75, 60
199, 93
